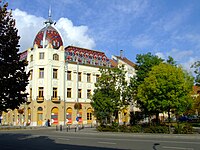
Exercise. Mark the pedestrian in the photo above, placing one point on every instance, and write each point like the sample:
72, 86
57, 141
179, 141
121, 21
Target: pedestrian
48, 123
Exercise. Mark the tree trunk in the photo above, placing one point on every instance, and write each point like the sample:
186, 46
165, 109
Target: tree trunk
116, 116
157, 118
169, 121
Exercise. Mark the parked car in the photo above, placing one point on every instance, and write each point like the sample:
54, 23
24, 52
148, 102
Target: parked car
184, 119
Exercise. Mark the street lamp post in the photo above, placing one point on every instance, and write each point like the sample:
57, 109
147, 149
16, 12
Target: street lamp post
65, 71
77, 87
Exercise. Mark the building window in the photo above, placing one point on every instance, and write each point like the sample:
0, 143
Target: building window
69, 75
88, 77
55, 92
97, 78
41, 55
41, 72
79, 76
88, 94
69, 92
31, 58
55, 72
31, 74
89, 116
41, 92
54, 43
55, 57
79, 93
30, 94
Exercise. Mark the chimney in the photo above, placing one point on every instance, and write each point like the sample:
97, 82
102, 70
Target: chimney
121, 53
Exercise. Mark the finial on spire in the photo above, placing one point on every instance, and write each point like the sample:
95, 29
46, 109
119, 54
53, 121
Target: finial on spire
50, 11
49, 21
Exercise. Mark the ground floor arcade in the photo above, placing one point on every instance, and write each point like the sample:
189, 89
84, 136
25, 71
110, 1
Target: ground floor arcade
37, 113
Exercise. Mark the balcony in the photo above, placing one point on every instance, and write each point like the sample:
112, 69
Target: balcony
55, 99
40, 99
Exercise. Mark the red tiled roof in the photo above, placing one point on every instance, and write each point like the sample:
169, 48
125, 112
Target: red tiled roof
84, 50
196, 89
113, 63
126, 61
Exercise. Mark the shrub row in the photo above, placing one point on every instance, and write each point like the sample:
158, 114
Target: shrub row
178, 129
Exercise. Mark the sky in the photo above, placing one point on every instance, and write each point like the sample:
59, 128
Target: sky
162, 27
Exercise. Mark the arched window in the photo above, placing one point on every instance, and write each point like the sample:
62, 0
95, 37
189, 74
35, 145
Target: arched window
55, 57
69, 115
31, 58
54, 115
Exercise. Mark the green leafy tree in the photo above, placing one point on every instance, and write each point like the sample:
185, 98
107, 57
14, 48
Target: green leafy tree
196, 66
13, 78
166, 88
110, 95
171, 61
144, 63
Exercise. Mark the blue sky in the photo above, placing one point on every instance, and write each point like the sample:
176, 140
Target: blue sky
162, 27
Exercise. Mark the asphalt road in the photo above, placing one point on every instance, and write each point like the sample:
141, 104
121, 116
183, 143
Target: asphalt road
89, 139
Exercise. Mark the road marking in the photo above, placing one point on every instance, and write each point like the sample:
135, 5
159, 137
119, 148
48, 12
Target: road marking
182, 148
131, 140
107, 143
29, 137
64, 139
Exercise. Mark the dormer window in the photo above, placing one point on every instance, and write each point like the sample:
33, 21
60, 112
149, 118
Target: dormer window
55, 57
54, 43
31, 58
41, 55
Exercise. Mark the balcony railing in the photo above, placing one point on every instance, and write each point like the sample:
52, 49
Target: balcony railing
55, 99
40, 99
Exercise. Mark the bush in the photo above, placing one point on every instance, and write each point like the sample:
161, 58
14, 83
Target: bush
195, 124
136, 129
124, 128
156, 129
183, 128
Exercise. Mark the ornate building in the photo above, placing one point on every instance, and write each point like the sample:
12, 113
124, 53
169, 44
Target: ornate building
61, 81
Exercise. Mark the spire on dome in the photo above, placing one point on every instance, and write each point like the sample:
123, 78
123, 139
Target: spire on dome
49, 21
48, 35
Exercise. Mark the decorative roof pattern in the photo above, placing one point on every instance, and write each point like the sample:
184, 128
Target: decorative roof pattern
48, 35
23, 55
86, 56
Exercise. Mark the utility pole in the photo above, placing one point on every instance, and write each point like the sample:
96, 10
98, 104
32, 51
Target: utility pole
64, 95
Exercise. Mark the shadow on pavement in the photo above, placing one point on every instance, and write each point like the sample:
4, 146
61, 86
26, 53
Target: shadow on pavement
31, 142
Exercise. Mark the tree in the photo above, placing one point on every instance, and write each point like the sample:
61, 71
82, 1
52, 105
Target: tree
144, 63
166, 88
196, 66
110, 95
13, 78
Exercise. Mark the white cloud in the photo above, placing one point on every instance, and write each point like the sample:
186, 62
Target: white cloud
142, 41
180, 54
74, 35
29, 25
161, 55
132, 7
187, 65
183, 57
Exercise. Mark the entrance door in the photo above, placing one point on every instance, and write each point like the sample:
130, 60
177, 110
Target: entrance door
69, 115
39, 116
54, 116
